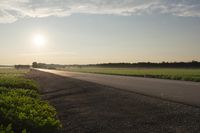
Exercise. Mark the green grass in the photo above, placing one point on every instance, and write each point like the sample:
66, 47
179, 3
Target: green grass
168, 73
21, 108
12, 72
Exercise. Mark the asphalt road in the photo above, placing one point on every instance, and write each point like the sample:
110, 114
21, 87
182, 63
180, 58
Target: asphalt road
179, 91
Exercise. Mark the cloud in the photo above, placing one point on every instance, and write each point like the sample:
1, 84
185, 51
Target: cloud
12, 10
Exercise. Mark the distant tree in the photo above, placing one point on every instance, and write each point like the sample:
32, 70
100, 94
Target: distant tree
195, 62
22, 66
34, 65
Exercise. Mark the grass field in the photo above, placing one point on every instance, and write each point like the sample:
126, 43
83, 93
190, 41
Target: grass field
12, 72
21, 108
169, 73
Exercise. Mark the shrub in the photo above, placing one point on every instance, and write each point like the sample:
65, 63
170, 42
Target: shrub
17, 82
25, 112
7, 129
21, 107
19, 92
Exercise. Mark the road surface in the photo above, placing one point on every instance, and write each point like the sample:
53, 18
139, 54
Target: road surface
179, 91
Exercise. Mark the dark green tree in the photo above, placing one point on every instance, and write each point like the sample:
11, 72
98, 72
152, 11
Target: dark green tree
34, 65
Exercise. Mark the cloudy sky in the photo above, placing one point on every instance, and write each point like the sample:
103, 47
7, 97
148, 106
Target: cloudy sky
96, 31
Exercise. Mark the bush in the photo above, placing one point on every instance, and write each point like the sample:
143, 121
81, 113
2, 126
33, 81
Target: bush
19, 92
25, 112
7, 129
21, 106
17, 82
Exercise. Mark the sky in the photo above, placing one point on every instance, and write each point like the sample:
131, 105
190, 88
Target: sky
99, 31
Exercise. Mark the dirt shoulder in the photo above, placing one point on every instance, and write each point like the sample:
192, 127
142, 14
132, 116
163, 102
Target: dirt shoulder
85, 107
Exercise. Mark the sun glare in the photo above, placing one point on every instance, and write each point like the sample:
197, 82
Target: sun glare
39, 40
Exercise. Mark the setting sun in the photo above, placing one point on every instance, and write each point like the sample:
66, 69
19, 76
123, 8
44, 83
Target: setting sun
39, 40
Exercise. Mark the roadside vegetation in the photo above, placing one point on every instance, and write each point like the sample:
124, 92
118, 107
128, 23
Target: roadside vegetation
12, 72
191, 74
21, 108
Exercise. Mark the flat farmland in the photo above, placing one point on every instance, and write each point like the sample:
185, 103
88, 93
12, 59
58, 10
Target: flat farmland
162, 73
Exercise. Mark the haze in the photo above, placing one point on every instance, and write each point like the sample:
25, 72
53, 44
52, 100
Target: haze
82, 32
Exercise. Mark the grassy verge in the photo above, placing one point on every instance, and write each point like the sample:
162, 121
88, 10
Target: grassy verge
21, 108
175, 74
12, 72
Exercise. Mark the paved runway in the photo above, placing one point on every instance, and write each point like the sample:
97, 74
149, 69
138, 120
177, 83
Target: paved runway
179, 91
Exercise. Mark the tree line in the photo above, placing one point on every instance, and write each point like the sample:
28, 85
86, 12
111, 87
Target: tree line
192, 64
